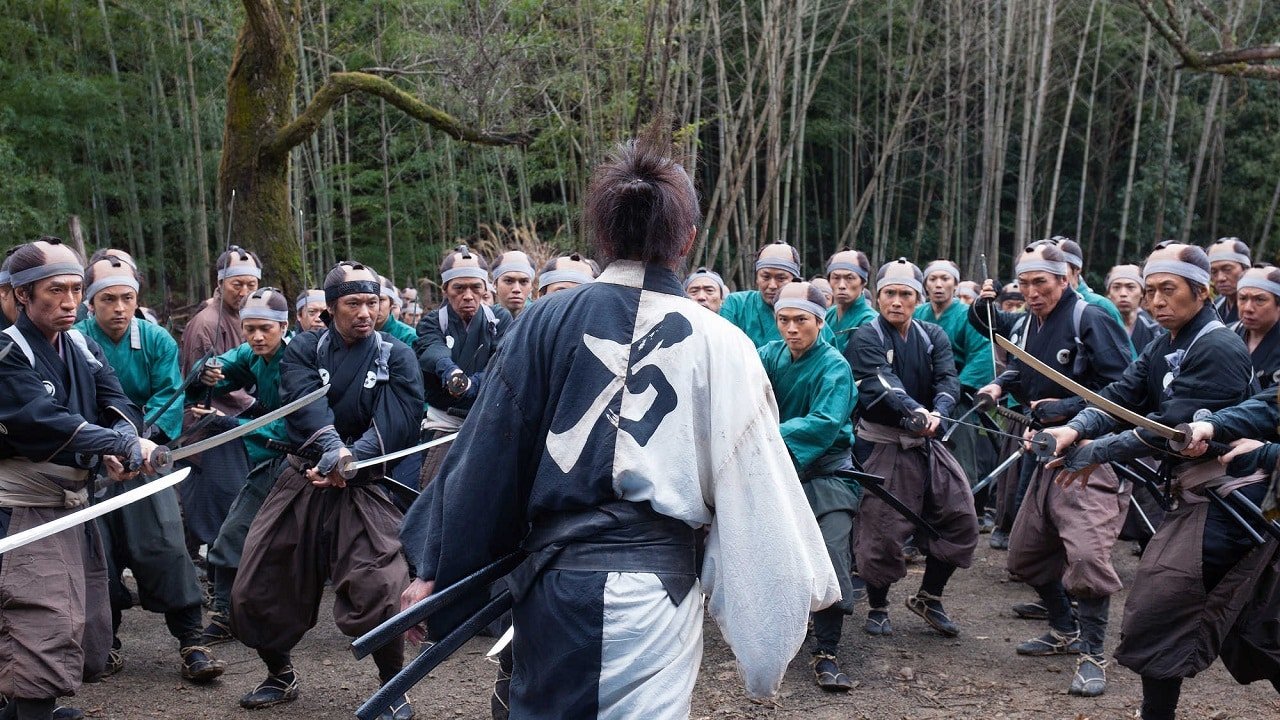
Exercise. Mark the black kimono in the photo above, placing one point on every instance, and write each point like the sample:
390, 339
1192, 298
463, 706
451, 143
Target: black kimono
1193, 577
446, 344
897, 376
60, 410
346, 535
1265, 357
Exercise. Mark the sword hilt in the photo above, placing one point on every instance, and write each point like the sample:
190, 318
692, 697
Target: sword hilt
212, 363
914, 423
1044, 446
1182, 440
347, 467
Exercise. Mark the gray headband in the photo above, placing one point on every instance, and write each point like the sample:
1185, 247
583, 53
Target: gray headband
1049, 266
463, 272
391, 293
513, 267
939, 266
315, 296
262, 313
40, 272
554, 276
1123, 275
790, 266
851, 267
912, 283
1073, 260
1230, 255
966, 291
710, 275
1259, 283
110, 281
1194, 273
799, 304
231, 271
4, 277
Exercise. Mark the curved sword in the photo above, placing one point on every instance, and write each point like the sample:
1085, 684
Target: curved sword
1115, 410
162, 459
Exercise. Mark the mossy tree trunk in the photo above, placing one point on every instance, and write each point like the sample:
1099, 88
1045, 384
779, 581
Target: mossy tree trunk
261, 129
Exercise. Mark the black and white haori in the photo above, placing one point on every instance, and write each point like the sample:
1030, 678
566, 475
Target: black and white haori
315, 526
455, 342
62, 415
1201, 568
618, 419
1062, 538
1228, 259
907, 387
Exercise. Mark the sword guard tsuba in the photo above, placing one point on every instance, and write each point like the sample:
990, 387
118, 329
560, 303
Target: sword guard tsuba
1044, 446
347, 467
1182, 437
914, 423
161, 460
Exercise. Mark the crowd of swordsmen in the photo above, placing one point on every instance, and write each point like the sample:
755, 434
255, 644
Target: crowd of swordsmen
906, 412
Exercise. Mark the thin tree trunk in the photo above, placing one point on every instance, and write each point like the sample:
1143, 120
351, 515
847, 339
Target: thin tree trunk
1133, 146
1206, 135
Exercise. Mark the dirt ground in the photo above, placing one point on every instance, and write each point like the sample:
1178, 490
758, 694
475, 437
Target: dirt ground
915, 675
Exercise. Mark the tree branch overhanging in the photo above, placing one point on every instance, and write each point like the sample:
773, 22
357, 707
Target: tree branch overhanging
1230, 60
340, 84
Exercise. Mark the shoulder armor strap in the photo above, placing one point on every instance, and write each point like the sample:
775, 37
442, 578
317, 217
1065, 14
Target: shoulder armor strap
382, 364
21, 341
135, 334
443, 315
80, 342
1208, 328
924, 335
489, 317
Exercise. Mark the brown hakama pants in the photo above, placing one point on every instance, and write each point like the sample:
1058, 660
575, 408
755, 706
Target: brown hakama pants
55, 612
304, 535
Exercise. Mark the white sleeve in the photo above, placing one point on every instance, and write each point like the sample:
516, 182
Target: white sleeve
766, 566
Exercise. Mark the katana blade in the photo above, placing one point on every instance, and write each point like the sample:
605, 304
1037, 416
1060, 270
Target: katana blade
875, 485
168, 457
1000, 469
357, 466
1088, 395
502, 643
67, 522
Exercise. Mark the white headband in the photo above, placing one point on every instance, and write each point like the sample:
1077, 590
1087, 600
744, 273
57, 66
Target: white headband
799, 304
231, 271
1049, 266
966, 291
940, 266
391, 293
315, 296
1259, 283
263, 313
110, 281
4, 277
463, 272
1194, 273
1073, 260
554, 276
711, 275
519, 267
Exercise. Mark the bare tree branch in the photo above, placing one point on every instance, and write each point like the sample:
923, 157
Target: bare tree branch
343, 83
1229, 61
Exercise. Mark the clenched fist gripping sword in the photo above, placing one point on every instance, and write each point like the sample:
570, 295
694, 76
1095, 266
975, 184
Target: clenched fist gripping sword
162, 460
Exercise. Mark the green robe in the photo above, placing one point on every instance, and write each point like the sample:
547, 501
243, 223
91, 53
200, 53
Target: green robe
242, 370
148, 373
970, 348
842, 328
399, 331
753, 316
815, 397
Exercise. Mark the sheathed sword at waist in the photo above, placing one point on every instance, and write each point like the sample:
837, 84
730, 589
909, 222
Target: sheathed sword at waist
874, 484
